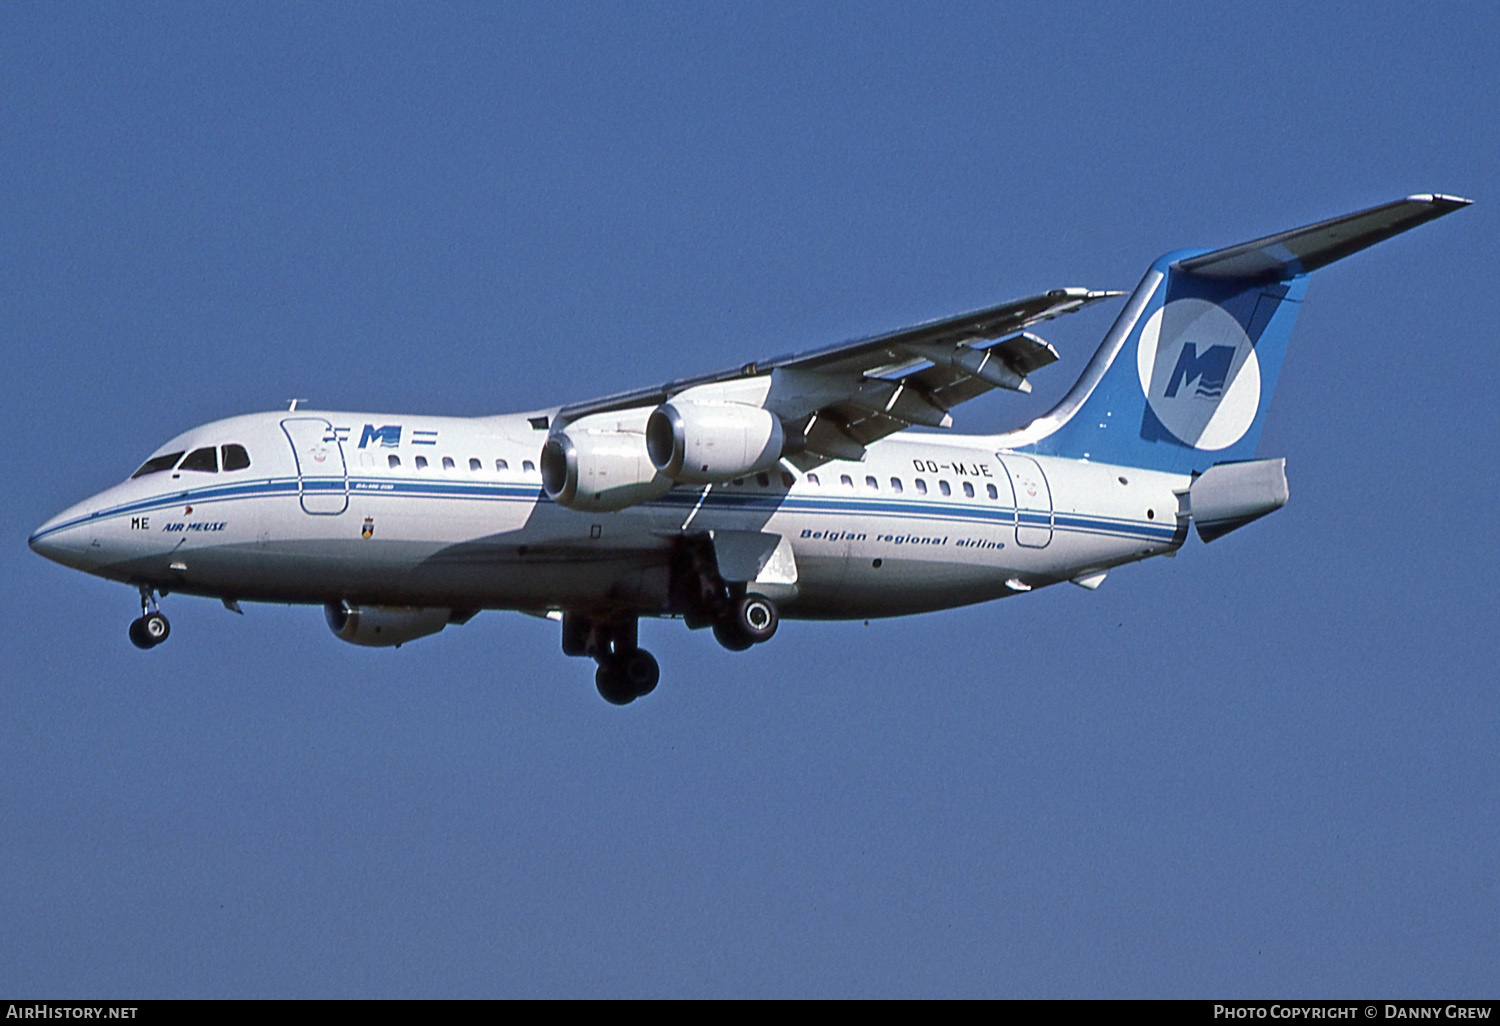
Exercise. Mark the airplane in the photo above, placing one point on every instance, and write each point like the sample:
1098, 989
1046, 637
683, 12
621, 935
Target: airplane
789, 487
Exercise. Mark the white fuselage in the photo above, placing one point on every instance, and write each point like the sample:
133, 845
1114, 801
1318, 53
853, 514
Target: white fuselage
449, 512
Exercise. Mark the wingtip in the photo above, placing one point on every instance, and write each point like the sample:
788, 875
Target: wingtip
1440, 198
1084, 295
1088, 295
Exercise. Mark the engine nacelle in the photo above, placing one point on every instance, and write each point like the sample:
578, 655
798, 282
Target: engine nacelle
709, 442
600, 464
382, 626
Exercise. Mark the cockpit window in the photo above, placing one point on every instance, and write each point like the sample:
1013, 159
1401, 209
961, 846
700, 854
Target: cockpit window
235, 457
157, 464
205, 460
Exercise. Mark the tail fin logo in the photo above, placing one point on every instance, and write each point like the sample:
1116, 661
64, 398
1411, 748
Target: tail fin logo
1209, 368
1199, 372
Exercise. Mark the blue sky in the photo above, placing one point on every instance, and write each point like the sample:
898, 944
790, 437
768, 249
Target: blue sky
1265, 767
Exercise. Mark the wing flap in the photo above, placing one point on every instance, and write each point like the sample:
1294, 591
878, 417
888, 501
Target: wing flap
892, 349
1025, 353
829, 435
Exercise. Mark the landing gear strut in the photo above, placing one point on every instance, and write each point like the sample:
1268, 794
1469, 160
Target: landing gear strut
626, 671
151, 627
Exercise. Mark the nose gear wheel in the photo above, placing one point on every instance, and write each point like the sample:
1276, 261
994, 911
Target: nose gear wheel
151, 627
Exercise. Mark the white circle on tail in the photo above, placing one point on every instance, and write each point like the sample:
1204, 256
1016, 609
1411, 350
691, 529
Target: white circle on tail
1199, 372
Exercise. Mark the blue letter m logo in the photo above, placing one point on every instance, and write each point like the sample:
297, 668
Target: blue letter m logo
390, 435
1210, 370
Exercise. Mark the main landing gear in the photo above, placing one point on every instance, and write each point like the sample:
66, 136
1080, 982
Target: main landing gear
745, 621
623, 679
626, 671
699, 594
739, 618
151, 627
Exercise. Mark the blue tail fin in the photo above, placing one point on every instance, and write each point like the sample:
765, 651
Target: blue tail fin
1184, 377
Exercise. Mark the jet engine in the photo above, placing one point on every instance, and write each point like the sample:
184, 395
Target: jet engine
382, 626
710, 442
600, 464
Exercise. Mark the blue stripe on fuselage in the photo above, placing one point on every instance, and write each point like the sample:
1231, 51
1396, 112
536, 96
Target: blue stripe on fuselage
781, 502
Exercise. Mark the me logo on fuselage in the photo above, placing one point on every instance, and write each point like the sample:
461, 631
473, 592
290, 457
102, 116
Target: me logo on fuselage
388, 436
1200, 374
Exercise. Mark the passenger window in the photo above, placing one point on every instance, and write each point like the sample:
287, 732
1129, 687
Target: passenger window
739, 482
447, 462
787, 479
943, 487
393, 461
763, 479
474, 466
528, 466
846, 481
968, 490
812, 479
421, 462
896, 485
235, 457
205, 460
872, 484
990, 490
501, 465
157, 464
921, 487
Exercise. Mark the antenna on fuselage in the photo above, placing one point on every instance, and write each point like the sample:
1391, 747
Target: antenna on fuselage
292, 404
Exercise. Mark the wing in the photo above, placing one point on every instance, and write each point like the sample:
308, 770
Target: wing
841, 398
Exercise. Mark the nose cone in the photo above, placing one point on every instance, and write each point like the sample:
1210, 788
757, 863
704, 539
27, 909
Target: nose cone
67, 538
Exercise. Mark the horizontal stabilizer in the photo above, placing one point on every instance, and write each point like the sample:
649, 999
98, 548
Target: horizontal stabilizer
1301, 250
1230, 495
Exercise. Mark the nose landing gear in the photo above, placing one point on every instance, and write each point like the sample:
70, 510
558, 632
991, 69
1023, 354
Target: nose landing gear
151, 627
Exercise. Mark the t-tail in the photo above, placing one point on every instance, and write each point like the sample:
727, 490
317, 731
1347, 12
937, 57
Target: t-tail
1184, 377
